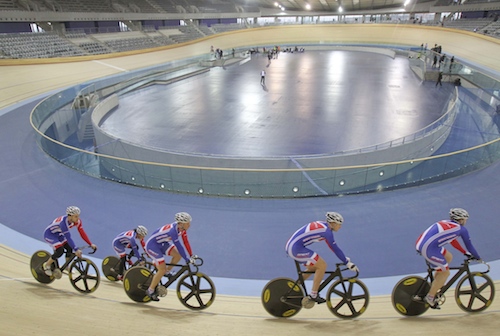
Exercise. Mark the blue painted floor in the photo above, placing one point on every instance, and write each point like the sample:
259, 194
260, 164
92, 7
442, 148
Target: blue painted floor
312, 103
241, 238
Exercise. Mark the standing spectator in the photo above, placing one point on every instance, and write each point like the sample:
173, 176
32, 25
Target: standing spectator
452, 60
263, 77
440, 78
434, 62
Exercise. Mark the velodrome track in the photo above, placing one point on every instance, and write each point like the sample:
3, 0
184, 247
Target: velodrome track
36, 188
30, 308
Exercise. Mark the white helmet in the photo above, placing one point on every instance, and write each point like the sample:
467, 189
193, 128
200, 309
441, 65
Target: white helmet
334, 217
72, 210
458, 213
141, 231
183, 217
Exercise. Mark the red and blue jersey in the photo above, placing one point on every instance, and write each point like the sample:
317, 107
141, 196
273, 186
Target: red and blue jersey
168, 235
316, 232
127, 239
445, 232
58, 230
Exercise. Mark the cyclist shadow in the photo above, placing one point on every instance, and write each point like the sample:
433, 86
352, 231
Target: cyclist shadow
341, 327
176, 315
50, 293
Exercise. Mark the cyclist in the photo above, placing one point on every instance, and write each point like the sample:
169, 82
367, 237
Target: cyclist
58, 236
127, 240
431, 243
296, 247
172, 240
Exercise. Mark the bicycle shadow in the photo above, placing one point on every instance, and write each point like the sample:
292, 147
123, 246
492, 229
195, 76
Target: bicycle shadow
173, 314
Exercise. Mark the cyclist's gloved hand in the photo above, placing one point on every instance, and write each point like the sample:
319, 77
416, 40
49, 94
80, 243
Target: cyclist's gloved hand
193, 258
470, 256
94, 247
350, 265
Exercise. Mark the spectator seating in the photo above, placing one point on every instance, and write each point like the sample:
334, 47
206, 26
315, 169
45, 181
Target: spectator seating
37, 45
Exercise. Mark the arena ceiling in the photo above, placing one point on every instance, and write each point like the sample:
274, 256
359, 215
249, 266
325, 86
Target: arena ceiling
329, 5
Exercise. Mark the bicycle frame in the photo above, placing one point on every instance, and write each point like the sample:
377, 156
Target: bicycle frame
179, 273
463, 269
301, 282
72, 257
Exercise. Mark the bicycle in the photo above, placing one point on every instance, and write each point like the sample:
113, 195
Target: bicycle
195, 290
474, 292
346, 298
111, 264
82, 272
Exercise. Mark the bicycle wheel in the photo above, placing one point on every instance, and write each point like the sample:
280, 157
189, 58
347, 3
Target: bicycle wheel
36, 262
136, 281
109, 266
282, 298
196, 291
347, 298
475, 292
405, 293
84, 275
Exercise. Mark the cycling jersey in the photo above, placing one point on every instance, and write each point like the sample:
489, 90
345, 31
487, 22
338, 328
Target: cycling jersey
307, 235
431, 243
125, 240
57, 233
164, 239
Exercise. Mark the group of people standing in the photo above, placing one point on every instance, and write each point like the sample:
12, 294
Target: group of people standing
172, 240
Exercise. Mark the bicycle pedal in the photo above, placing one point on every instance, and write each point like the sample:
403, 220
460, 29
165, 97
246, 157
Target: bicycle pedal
307, 303
417, 298
161, 291
57, 273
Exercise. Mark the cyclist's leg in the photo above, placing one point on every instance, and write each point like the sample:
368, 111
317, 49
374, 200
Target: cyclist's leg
312, 261
57, 243
439, 258
440, 264
176, 257
120, 251
319, 268
69, 252
58, 252
157, 253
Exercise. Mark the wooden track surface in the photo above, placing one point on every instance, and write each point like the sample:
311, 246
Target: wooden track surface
31, 308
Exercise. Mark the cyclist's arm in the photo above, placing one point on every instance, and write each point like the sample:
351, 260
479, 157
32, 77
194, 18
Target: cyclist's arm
67, 235
83, 234
456, 244
135, 248
468, 243
330, 241
143, 244
182, 244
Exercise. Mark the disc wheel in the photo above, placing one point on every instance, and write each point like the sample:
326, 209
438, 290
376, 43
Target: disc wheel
84, 275
36, 262
475, 292
281, 297
136, 281
348, 298
404, 294
109, 266
196, 291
